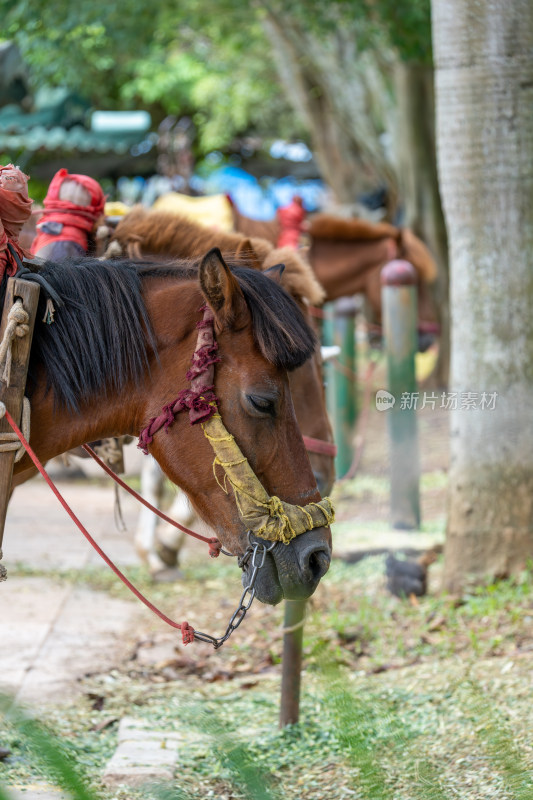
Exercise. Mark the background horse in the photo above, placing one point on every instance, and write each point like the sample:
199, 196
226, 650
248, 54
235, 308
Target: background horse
144, 232
347, 256
119, 351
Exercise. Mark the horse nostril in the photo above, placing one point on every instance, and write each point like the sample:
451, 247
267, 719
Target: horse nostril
317, 564
301, 565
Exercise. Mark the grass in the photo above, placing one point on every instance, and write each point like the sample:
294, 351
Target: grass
372, 742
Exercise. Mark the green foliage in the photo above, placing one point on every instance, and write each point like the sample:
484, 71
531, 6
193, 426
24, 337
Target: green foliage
498, 738
403, 25
408, 27
57, 764
369, 727
209, 60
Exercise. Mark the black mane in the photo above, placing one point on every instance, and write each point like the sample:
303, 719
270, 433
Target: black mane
102, 335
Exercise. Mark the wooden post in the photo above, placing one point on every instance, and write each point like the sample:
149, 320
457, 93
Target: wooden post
341, 388
292, 662
399, 311
13, 395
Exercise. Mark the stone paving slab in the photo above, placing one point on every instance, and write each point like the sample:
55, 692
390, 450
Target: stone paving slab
88, 634
40, 534
52, 632
131, 729
27, 607
36, 791
143, 754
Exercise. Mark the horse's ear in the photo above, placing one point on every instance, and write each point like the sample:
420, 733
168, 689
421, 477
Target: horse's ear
275, 273
221, 290
245, 251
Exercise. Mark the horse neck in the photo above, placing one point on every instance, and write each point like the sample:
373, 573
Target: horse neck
267, 230
173, 235
56, 430
181, 238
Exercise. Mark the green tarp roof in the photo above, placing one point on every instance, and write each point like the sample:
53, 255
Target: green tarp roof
59, 122
76, 138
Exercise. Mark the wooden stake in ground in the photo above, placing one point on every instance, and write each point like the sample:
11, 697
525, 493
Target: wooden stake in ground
292, 662
12, 395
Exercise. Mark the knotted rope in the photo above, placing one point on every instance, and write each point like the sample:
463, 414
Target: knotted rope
17, 326
267, 516
9, 441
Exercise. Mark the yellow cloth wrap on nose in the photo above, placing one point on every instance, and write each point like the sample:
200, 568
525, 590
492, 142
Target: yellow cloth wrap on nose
268, 517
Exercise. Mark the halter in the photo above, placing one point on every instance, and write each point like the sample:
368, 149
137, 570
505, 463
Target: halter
263, 515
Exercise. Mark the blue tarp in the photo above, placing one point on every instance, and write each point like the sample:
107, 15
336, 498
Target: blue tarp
259, 199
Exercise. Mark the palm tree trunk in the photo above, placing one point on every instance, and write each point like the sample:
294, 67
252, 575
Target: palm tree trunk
484, 92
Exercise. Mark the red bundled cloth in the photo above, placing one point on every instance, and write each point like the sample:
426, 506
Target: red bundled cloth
291, 219
73, 222
15, 209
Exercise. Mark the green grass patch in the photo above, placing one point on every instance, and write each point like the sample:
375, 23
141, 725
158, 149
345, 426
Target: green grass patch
356, 737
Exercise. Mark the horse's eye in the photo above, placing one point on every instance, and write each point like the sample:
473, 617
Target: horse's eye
265, 405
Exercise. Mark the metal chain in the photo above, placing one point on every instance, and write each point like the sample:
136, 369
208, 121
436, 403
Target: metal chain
256, 552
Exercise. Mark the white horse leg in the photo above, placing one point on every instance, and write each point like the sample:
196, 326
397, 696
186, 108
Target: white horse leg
152, 481
182, 511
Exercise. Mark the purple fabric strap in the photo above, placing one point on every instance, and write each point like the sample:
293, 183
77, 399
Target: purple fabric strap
200, 399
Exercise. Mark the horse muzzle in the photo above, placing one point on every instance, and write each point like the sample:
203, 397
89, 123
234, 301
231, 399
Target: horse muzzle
293, 571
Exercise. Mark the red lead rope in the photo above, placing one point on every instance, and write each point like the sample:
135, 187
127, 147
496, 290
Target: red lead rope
214, 545
187, 632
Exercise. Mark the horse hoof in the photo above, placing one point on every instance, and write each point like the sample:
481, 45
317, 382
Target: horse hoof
167, 555
169, 575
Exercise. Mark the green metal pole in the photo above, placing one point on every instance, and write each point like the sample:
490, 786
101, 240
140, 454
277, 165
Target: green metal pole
399, 311
340, 374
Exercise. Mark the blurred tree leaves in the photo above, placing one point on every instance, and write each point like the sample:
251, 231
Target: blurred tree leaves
209, 59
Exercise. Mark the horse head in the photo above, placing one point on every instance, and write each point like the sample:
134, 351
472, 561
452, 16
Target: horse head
260, 334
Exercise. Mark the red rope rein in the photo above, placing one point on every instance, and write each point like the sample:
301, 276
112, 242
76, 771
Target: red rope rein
187, 632
214, 545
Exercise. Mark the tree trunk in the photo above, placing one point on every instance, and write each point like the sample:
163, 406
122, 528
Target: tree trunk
484, 91
333, 88
417, 167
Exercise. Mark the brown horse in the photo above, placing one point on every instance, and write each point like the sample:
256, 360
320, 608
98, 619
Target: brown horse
347, 256
119, 351
163, 233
